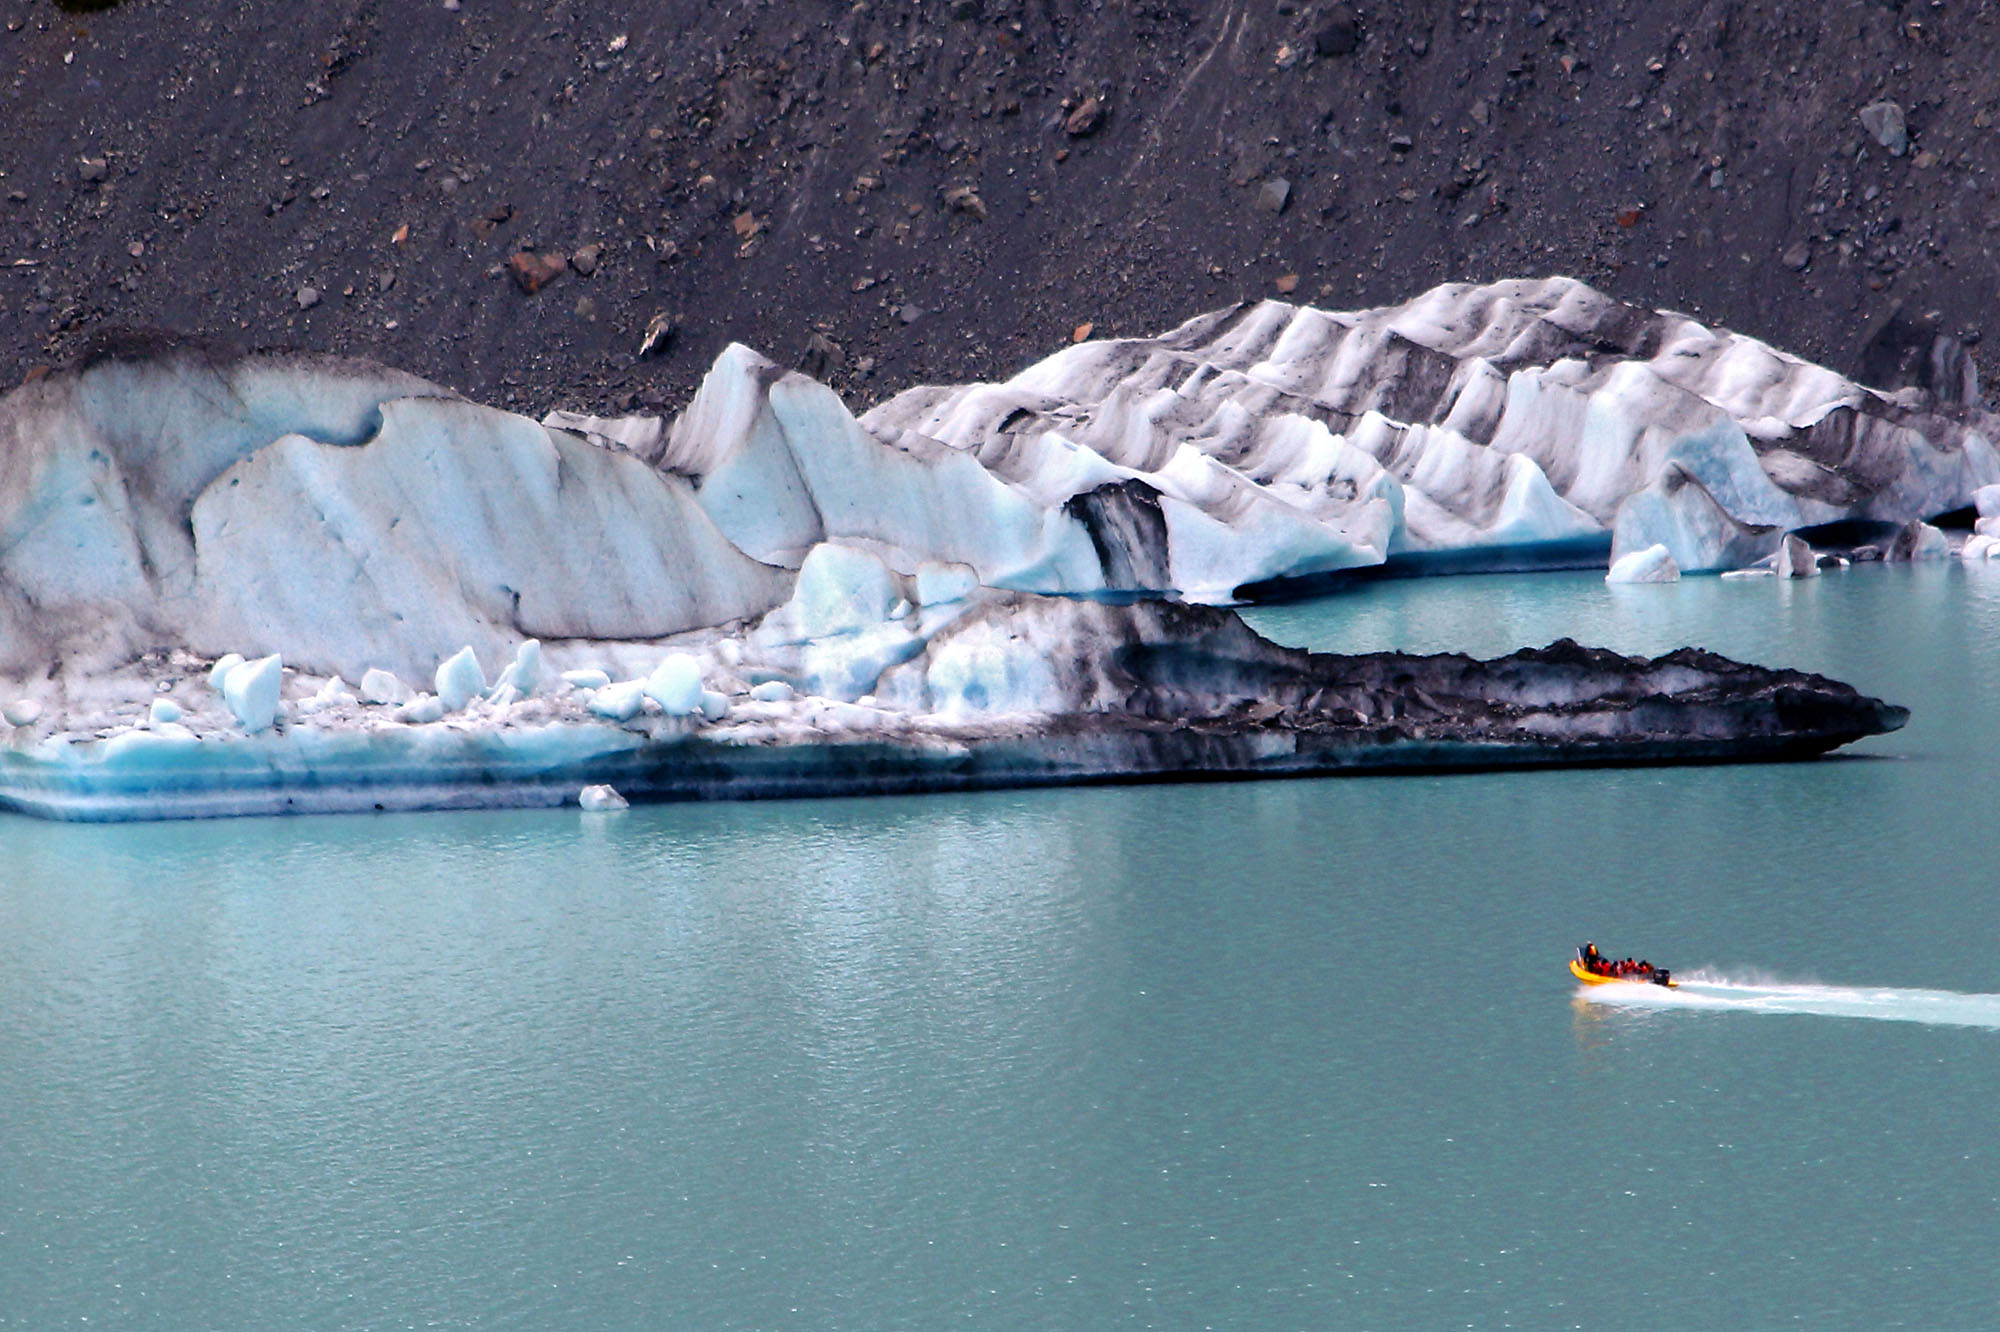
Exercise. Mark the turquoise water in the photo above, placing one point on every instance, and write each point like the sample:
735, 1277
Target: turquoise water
1285, 1055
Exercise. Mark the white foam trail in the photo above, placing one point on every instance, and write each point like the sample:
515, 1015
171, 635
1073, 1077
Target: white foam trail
1703, 990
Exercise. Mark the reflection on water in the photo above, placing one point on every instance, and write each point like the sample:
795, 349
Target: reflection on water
1269, 1055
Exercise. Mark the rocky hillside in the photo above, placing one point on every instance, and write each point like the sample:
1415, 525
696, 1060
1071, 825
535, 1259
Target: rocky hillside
506, 196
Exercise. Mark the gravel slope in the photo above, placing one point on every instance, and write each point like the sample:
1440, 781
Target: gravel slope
902, 181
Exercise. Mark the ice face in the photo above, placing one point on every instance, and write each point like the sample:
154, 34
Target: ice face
347, 515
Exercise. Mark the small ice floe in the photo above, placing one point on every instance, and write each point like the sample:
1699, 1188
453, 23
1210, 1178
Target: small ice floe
1654, 564
1795, 559
22, 712
601, 799
163, 712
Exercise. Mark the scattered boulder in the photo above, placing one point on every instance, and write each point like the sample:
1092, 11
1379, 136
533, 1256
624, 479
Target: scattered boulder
1885, 121
1085, 119
93, 170
532, 272
1274, 194
823, 356
585, 260
659, 332
1340, 34
965, 199
308, 297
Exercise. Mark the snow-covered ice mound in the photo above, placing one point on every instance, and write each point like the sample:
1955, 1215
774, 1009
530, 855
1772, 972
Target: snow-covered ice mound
1518, 424
1520, 419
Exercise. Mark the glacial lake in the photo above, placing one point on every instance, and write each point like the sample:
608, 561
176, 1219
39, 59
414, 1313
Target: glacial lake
1249, 1056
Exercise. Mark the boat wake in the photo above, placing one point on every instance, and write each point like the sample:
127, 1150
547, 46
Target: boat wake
1713, 992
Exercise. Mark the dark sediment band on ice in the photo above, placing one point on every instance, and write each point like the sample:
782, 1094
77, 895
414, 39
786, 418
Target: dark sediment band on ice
1154, 692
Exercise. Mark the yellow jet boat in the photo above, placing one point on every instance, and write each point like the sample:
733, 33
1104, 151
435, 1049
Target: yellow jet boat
1659, 977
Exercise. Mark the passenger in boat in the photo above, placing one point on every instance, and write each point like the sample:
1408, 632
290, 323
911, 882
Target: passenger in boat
1593, 961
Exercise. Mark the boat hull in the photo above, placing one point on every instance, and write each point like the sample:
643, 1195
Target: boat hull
1592, 978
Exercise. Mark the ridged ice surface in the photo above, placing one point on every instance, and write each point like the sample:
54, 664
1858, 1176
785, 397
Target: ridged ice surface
1521, 420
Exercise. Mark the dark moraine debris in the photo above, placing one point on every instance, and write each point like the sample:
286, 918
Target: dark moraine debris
1159, 691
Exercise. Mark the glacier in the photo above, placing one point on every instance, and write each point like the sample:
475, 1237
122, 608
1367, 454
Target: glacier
963, 585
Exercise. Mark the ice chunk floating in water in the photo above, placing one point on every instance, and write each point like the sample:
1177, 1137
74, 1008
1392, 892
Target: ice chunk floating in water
1706, 993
